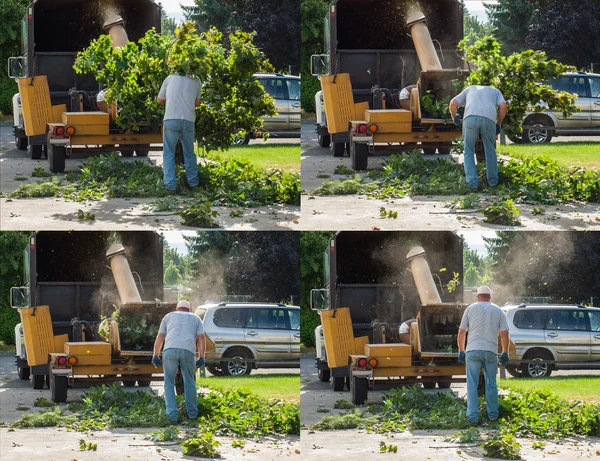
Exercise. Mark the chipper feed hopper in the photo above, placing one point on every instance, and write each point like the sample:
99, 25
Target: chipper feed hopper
98, 361
376, 126
430, 358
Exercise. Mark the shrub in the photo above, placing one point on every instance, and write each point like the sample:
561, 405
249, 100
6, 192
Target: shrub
310, 86
8, 319
8, 88
309, 320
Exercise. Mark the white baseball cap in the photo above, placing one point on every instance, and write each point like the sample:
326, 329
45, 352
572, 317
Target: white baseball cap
484, 290
183, 304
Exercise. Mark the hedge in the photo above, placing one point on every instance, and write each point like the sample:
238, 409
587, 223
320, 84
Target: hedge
8, 88
9, 318
310, 86
309, 320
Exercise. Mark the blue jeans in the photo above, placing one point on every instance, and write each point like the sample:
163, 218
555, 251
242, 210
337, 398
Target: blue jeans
173, 359
474, 126
172, 130
476, 360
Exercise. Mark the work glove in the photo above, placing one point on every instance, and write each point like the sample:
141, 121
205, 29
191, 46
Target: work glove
462, 357
504, 359
156, 361
457, 119
498, 129
200, 362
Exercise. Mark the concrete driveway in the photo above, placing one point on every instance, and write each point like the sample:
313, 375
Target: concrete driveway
357, 212
353, 444
53, 213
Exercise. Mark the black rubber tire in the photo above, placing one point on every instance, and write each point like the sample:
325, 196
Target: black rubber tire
229, 368
56, 158
429, 150
481, 386
324, 375
215, 370
539, 369
428, 385
127, 153
359, 156
21, 143
338, 149
37, 381
142, 153
444, 150
359, 391
239, 141
35, 152
58, 388
23, 372
324, 140
179, 389
128, 383
144, 382
338, 383
444, 385
514, 372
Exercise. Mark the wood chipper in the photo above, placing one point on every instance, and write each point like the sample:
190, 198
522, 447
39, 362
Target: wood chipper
430, 358
59, 339
55, 111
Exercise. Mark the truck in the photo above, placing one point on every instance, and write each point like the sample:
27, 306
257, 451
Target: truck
74, 280
370, 291
55, 111
373, 50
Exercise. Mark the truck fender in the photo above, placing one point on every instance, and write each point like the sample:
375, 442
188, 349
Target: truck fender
20, 342
320, 344
17, 112
320, 108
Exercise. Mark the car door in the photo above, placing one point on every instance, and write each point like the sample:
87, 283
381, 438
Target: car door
594, 317
226, 328
268, 332
293, 88
578, 85
595, 101
294, 319
276, 87
567, 332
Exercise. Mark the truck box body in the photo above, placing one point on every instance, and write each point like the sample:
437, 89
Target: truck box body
53, 31
369, 39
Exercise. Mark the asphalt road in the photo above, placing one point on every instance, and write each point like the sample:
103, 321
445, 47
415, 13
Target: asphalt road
357, 212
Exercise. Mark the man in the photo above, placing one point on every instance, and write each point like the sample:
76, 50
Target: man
182, 334
181, 94
485, 110
100, 100
404, 98
483, 320
405, 331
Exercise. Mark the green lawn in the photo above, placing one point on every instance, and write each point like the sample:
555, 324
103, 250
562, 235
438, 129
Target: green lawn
584, 154
283, 156
566, 387
272, 386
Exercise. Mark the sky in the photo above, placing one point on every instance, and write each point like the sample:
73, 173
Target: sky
172, 7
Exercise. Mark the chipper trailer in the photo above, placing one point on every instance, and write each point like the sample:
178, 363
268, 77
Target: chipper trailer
358, 109
376, 362
73, 309
55, 111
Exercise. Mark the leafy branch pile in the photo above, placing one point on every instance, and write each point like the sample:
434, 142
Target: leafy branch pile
232, 100
135, 332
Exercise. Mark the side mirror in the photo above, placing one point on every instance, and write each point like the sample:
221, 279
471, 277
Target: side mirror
19, 297
17, 67
319, 299
319, 64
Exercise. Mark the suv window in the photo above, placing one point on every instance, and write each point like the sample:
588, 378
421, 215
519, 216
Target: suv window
594, 320
293, 87
274, 86
273, 318
571, 320
534, 319
229, 317
571, 84
595, 87
295, 319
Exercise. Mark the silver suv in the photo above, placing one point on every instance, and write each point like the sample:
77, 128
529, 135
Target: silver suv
547, 337
243, 336
285, 89
542, 126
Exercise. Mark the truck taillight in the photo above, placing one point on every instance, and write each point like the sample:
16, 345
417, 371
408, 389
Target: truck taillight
60, 130
70, 130
373, 128
373, 362
62, 360
72, 360
361, 128
361, 362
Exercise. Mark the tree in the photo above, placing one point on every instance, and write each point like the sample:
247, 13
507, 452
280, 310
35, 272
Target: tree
172, 275
311, 42
510, 21
474, 29
474, 267
12, 13
520, 78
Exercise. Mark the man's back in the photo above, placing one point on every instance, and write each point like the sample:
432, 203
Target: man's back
180, 330
483, 321
480, 100
180, 93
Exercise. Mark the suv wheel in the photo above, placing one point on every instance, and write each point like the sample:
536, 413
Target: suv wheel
537, 135
537, 367
236, 365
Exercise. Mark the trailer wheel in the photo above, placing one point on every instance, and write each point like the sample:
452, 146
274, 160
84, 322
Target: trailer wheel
429, 385
56, 158
429, 150
359, 155
338, 383
359, 390
141, 152
37, 381
58, 388
23, 372
338, 148
35, 152
144, 382
444, 384
324, 140
128, 383
21, 143
444, 150
481, 386
324, 375
126, 153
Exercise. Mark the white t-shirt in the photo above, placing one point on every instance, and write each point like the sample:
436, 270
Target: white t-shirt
483, 321
180, 93
480, 100
180, 330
